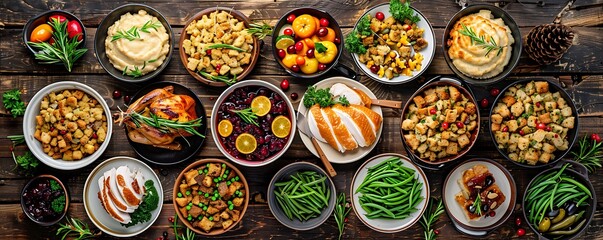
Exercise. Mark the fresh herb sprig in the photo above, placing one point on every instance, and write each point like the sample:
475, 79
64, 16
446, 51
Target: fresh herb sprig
364, 26
401, 11
224, 45
480, 40
589, 154
13, 103
133, 34
260, 30
227, 80
150, 25
247, 115
342, 209
64, 50
164, 125
323, 98
189, 235
136, 72
26, 163
477, 204
75, 229
429, 218
353, 43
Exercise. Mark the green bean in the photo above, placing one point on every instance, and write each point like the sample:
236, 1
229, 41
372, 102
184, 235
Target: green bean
564, 200
581, 200
385, 210
580, 185
302, 196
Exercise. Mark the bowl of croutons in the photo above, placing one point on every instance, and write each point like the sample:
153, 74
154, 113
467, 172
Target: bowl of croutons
216, 47
211, 196
440, 123
533, 123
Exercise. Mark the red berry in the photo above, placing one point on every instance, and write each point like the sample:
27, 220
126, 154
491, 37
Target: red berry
548, 129
460, 125
445, 125
171, 219
208, 52
299, 46
505, 129
310, 53
127, 98
63, 132
512, 117
288, 31
541, 126
595, 137
322, 32
380, 16
62, 121
521, 232
337, 40
160, 238
116, 94
52, 128
518, 221
295, 68
494, 92
285, 84
294, 96
345, 220
484, 103
291, 49
556, 135
537, 104
375, 69
492, 214
282, 54
322, 67
290, 18
521, 132
432, 111
324, 22
436, 231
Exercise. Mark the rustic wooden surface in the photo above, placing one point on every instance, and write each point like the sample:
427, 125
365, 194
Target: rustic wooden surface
580, 71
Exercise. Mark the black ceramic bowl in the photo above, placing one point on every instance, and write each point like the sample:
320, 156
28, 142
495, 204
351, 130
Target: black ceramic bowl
497, 13
101, 35
342, 69
44, 18
580, 174
26, 204
572, 134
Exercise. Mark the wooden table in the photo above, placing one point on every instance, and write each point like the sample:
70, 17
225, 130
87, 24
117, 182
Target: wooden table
580, 70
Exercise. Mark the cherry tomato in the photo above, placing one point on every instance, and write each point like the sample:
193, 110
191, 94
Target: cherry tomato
380, 16
291, 49
282, 53
541, 126
299, 46
445, 125
288, 31
59, 17
75, 29
322, 67
290, 18
432, 111
494, 92
300, 60
285, 84
322, 32
310, 53
484, 103
294, 96
518, 221
295, 68
375, 69
324, 22
505, 129
595, 137
337, 40
460, 125
41, 33
521, 232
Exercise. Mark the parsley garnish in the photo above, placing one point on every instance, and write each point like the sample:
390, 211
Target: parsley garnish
13, 103
401, 11
353, 43
323, 98
364, 26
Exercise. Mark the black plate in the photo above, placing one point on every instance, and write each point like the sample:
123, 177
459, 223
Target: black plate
162, 156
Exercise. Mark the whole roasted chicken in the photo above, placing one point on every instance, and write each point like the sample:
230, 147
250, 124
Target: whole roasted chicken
163, 104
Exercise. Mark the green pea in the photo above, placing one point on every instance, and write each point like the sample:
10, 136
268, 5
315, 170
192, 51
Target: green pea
200, 217
190, 218
213, 198
179, 195
223, 165
227, 183
207, 165
231, 207
188, 193
190, 204
188, 207
215, 180
224, 176
199, 193
211, 218
204, 208
205, 170
229, 202
200, 171
206, 194
200, 204
237, 178
227, 171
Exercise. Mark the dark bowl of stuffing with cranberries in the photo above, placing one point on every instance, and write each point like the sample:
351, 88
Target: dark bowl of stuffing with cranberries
45, 200
253, 123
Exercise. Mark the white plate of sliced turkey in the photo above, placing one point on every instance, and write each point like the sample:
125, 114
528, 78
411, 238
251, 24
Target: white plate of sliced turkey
345, 133
120, 193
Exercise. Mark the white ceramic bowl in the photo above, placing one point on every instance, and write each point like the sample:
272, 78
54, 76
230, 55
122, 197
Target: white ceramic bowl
389, 225
332, 154
214, 122
428, 52
97, 213
29, 126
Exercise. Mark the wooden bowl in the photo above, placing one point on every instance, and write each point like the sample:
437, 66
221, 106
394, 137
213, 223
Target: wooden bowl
184, 57
214, 231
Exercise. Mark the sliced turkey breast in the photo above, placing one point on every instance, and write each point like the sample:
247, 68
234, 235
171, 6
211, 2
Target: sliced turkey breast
114, 194
341, 132
124, 179
358, 124
109, 206
354, 96
322, 124
374, 118
138, 184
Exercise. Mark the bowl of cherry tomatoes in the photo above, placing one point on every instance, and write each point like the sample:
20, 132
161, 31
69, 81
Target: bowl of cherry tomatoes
308, 43
40, 28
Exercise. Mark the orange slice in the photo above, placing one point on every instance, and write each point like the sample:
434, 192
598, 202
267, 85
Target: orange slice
246, 143
281, 126
225, 128
260, 105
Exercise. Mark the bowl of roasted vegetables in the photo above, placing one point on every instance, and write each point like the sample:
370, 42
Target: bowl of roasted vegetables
533, 123
211, 196
559, 203
440, 123
392, 43
217, 48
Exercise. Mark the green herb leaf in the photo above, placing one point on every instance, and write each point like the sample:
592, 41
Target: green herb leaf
54, 185
589, 153
223, 45
489, 45
164, 125
150, 25
430, 216
322, 97
76, 229
401, 11
58, 204
342, 209
364, 26
247, 115
353, 43
13, 103
320, 48
132, 34
260, 30
478, 204
225, 79
64, 50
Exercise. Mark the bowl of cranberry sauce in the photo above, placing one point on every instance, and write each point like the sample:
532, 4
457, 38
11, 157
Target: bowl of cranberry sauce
253, 123
45, 200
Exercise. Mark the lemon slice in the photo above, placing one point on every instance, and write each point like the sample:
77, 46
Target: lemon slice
225, 128
281, 126
284, 41
261, 105
246, 143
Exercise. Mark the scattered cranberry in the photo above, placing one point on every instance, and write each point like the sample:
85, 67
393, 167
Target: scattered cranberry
322, 32
290, 18
127, 98
285, 84
324, 22
310, 53
63, 132
116, 94
294, 96
282, 54
521, 232
291, 49
432, 111
436, 231
299, 46
288, 31
521, 132
512, 117
492, 214
595, 137
445, 125
557, 135
208, 52
541, 126
484, 103
218, 67
380, 16
505, 129
375, 69
494, 92
62, 120
460, 125
337, 40
94, 136
518, 221
537, 104
322, 67
548, 129
295, 68
171, 219
159, 238
52, 128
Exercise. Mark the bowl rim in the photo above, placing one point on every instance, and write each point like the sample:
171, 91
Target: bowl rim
419, 171
565, 96
465, 90
65, 191
29, 23
280, 174
33, 108
214, 122
515, 31
236, 14
177, 188
107, 65
332, 23
423, 67
513, 198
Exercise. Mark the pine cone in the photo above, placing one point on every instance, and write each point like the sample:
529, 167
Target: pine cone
546, 43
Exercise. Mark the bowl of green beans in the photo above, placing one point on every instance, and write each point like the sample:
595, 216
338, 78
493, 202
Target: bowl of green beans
559, 203
389, 193
301, 196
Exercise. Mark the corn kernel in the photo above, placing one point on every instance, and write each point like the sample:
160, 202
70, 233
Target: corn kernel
369, 64
392, 54
381, 72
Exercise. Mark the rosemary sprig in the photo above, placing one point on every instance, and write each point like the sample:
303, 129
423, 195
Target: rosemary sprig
16, 139
189, 235
589, 154
131, 34
227, 80
164, 125
247, 115
260, 30
478, 204
136, 72
223, 45
476, 39
342, 209
64, 50
76, 229
150, 25
429, 218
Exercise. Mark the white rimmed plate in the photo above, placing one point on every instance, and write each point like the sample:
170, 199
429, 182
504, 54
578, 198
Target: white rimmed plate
332, 154
502, 178
389, 225
428, 52
97, 213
